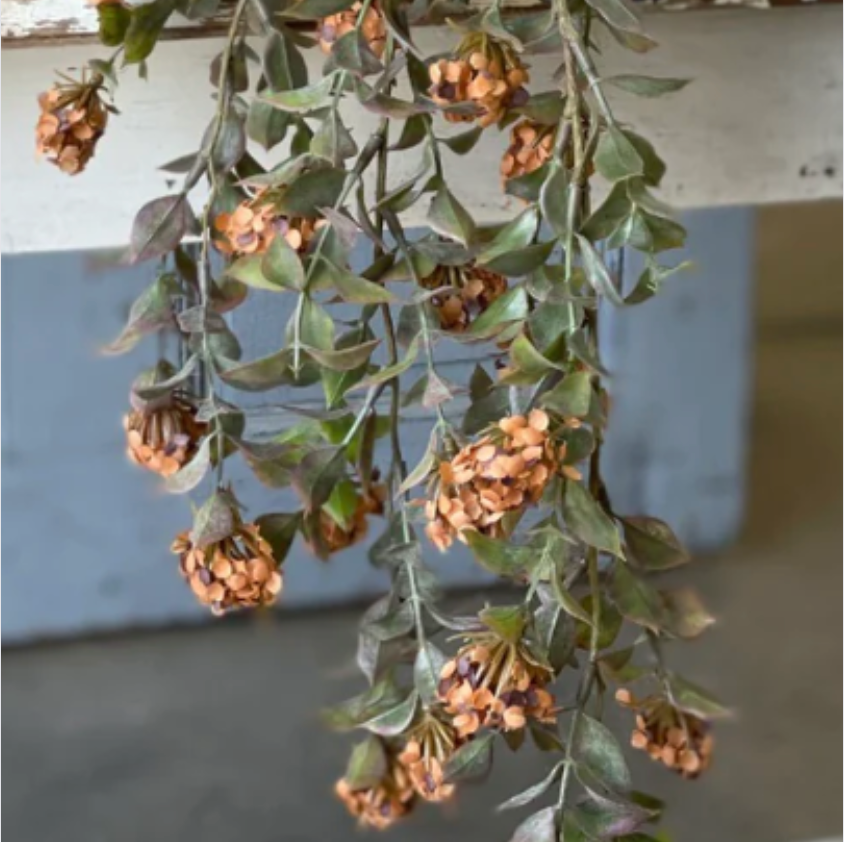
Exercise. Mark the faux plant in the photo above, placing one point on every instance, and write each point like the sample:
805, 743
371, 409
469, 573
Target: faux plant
517, 475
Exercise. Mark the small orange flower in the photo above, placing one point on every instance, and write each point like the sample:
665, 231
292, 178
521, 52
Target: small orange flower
373, 27
466, 292
483, 71
164, 438
238, 571
492, 683
383, 804
504, 471
73, 119
676, 739
255, 223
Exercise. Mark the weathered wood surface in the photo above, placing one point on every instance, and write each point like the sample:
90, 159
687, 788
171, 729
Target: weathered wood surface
760, 123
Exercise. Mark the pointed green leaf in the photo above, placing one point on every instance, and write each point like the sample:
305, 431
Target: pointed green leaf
696, 701
345, 359
616, 157
588, 521
471, 760
426, 671
597, 750
367, 764
507, 621
533, 792
540, 827
395, 721
638, 601
652, 543
572, 397
646, 86
449, 218
213, 521
597, 273
515, 235
193, 473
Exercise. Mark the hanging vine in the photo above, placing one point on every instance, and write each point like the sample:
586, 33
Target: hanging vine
516, 475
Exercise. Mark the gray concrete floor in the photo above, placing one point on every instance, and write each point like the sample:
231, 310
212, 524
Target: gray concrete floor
212, 733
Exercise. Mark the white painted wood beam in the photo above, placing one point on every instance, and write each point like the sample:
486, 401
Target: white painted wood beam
761, 123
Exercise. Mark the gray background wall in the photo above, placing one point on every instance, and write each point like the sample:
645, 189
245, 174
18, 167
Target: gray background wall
86, 538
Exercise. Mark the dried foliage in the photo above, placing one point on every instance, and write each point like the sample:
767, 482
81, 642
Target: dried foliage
512, 467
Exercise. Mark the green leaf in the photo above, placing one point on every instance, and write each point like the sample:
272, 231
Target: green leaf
507, 621
528, 360
266, 125
501, 557
397, 622
553, 200
257, 375
449, 218
650, 281
311, 191
616, 157
597, 273
515, 235
610, 215
144, 28
584, 350
545, 108
609, 625
510, 307
284, 66
279, 529
522, 261
414, 131
693, 699
396, 720
540, 827
333, 141
382, 695
317, 474
367, 764
193, 473
555, 633
345, 359
389, 372
213, 521
304, 98
248, 270
162, 379
638, 601
159, 227
653, 166
114, 22
426, 672
317, 326
567, 602
281, 266
646, 86
150, 312
687, 616
358, 290
463, 143
352, 52
588, 521
471, 760
603, 817
572, 397
596, 749
652, 543
616, 14
385, 105
229, 143
533, 792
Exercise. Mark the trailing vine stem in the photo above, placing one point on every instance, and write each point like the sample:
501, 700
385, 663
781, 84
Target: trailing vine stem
204, 263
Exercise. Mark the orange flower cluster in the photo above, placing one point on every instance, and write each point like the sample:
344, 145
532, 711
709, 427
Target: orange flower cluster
504, 471
489, 75
163, 439
337, 537
429, 747
253, 225
382, 805
73, 118
680, 741
373, 28
531, 145
491, 683
238, 571
472, 290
